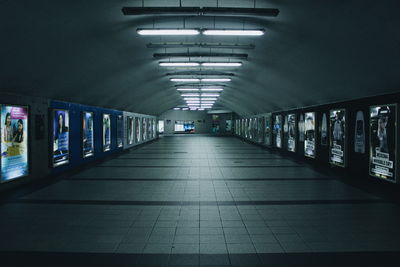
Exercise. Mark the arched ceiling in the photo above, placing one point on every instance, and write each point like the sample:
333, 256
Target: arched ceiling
314, 52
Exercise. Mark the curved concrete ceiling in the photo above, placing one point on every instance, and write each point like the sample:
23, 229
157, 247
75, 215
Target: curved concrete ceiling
314, 52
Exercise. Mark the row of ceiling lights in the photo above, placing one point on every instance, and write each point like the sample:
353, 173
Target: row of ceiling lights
204, 99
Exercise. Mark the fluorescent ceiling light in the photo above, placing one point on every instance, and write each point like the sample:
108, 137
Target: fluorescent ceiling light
179, 64
212, 89
210, 95
193, 102
187, 89
191, 98
184, 80
185, 109
229, 32
221, 64
200, 109
190, 95
208, 99
177, 109
168, 31
216, 79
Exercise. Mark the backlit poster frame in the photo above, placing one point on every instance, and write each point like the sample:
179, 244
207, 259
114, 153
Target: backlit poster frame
87, 134
278, 137
337, 137
106, 132
138, 132
309, 134
144, 129
154, 128
149, 128
60, 132
291, 132
383, 142
260, 129
120, 131
14, 142
130, 135
267, 129
324, 130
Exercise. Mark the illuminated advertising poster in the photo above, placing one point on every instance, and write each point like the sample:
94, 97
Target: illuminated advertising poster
120, 130
130, 131
301, 128
154, 128
106, 132
338, 137
60, 137
309, 134
149, 128
260, 130
14, 142
246, 128
291, 132
138, 130
382, 151
278, 131
228, 125
267, 130
324, 130
251, 127
144, 129
87, 134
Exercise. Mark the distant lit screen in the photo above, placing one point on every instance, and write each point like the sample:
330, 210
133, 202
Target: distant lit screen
87, 134
14, 142
120, 130
337, 140
60, 137
184, 126
309, 134
161, 126
382, 151
106, 132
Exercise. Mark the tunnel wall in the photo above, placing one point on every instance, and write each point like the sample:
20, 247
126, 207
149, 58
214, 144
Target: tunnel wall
40, 134
202, 120
357, 163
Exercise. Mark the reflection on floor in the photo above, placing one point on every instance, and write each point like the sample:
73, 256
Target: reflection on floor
199, 200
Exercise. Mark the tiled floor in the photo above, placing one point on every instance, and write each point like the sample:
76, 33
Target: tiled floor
199, 200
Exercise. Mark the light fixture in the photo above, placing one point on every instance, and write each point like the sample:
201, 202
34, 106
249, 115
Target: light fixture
212, 89
208, 99
216, 79
185, 109
200, 109
201, 11
168, 31
177, 109
210, 95
232, 32
191, 98
207, 103
187, 89
200, 55
202, 45
184, 80
179, 64
190, 95
193, 102
221, 64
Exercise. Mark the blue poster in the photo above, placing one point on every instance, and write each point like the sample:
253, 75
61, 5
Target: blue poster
14, 142
106, 132
87, 134
60, 137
